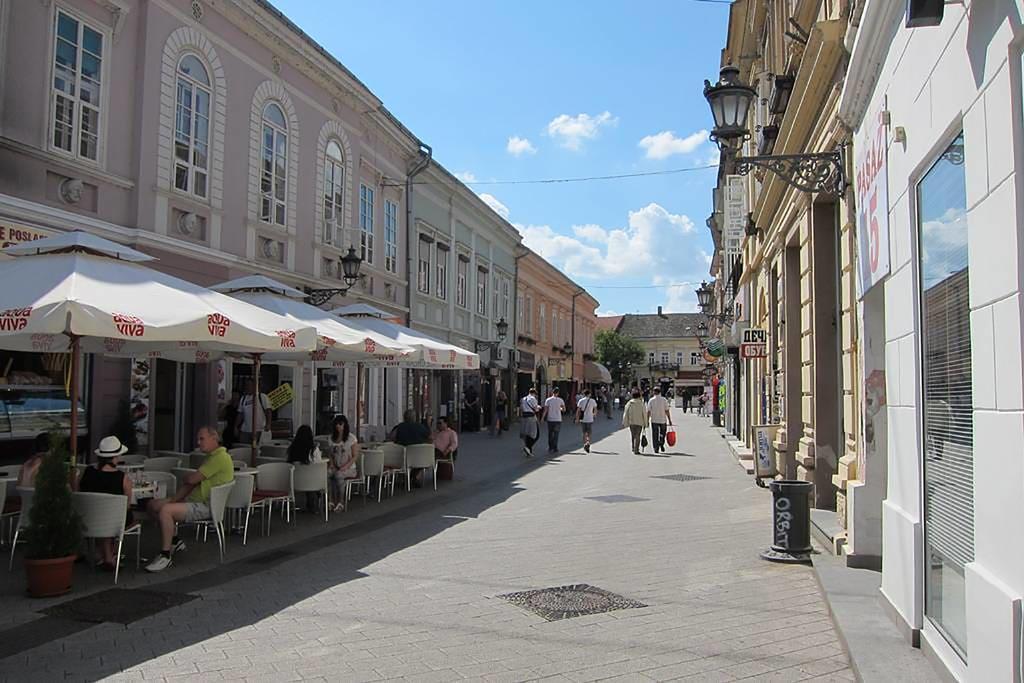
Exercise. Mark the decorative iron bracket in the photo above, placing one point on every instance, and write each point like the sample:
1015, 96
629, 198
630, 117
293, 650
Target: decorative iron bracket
318, 297
817, 172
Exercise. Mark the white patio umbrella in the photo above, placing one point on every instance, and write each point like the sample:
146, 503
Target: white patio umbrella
78, 292
339, 341
431, 353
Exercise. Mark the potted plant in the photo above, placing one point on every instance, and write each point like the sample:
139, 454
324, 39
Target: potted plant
54, 532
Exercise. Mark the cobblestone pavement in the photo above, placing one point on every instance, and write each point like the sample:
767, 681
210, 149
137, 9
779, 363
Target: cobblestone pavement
415, 596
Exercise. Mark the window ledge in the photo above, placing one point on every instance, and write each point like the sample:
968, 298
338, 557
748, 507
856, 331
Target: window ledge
70, 164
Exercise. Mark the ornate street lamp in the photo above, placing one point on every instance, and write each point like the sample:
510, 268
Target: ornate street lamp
704, 293
502, 328
350, 264
730, 100
567, 349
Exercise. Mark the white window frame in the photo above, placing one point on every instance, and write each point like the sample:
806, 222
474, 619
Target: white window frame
481, 291
190, 167
543, 322
695, 357
391, 239
334, 195
276, 206
650, 357
506, 287
423, 265
529, 314
366, 200
665, 358
441, 250
461, 282
100, 107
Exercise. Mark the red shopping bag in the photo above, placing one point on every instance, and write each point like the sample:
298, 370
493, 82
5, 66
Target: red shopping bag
670, 436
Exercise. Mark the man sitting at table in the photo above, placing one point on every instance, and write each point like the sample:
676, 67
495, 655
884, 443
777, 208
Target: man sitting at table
192, 501
409, 432
104, 477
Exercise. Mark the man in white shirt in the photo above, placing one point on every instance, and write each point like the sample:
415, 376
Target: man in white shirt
553, 409
586, 409
658, 413
245, 426
529, 430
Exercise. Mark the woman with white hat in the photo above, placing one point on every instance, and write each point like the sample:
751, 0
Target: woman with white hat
104, 477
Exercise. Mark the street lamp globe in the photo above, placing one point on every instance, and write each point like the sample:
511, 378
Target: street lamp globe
567, 349
730, 102
702, 330
502, 328
704, 296
350, 264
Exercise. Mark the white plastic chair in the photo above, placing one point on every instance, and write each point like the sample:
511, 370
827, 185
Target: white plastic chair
218, 503
103, 516
372, 465
164, 463
241, 453
180, 473
262, 460
196, 460
312, 477
450, 460
394, 463
241, 499
419, 455
23, 519
5, 517
132, 459
169, 481
275, 482
274, 451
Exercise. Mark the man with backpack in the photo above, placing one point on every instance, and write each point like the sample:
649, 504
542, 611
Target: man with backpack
586, 409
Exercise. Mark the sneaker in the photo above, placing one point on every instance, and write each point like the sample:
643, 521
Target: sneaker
527, 452
161, 563
178, 547
586, 447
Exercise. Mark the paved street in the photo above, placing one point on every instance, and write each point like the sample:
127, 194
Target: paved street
415, 595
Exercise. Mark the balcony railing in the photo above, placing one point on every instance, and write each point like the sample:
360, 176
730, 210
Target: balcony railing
664, 366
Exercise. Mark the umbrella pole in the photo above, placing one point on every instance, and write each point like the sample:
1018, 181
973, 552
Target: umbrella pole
74, 397
255, 399
359, 393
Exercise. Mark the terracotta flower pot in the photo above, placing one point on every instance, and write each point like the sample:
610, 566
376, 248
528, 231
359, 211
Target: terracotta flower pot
47, 578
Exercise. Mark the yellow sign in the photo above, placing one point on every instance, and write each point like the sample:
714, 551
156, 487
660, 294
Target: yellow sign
281, 396
16, 233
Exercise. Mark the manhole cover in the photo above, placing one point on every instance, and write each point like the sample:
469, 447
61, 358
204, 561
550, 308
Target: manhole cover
681, 477
566, 602
617, 498
118, 605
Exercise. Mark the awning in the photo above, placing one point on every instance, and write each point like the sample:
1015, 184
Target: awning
595, 372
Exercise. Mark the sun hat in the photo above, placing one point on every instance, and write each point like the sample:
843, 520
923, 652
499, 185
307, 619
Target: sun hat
110, 446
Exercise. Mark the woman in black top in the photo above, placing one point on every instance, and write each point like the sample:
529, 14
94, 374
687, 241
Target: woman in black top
304, 451
230, 419
104, 477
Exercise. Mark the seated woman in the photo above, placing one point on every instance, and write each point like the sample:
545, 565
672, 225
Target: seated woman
104, 477
304, 451
343, 458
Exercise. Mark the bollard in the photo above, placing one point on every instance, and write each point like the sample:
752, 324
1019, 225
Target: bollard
791, 522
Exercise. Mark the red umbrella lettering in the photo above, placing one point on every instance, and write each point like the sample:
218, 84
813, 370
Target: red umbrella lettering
287, 338
217, 324
14, 319
129, 325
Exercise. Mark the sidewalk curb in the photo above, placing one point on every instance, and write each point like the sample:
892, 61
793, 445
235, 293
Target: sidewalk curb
876, 649
744, 456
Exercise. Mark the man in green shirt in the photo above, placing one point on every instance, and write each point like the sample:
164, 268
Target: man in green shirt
192, 501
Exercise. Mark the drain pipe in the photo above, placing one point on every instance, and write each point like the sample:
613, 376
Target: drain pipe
419, 165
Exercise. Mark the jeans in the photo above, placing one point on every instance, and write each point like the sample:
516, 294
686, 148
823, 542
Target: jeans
553, 428
635, 431
658, 430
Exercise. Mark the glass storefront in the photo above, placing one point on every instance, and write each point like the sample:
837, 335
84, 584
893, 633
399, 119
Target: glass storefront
948, 404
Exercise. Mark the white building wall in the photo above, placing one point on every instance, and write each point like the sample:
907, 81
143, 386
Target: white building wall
962, 75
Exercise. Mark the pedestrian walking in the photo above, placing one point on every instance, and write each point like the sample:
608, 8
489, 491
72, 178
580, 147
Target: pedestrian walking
606, 396
529, 430
660, 417
500, 413
634, 416
701, 401
686, 402
586, 409
554, 406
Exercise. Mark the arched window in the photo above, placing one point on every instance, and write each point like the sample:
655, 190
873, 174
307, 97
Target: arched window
334, 195
192, 127
274, 166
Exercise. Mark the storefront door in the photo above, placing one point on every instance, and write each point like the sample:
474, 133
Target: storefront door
172, 406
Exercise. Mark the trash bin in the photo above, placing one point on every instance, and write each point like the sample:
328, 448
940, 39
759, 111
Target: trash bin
791, 521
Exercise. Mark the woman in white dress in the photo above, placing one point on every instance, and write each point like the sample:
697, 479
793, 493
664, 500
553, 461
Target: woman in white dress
344, 455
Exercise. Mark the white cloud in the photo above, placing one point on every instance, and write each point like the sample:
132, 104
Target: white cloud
571, 131
466, 177
607, 312
495, 204
713, 159
518, 146
664, 144
655, 241
590, 233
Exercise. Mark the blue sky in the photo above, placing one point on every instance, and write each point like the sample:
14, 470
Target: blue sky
522, 90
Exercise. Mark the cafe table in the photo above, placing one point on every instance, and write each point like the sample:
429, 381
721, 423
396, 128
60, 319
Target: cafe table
143, 489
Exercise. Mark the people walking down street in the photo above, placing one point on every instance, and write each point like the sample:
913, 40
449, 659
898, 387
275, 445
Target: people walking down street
686, 402
554, 407
500, 413
606, 396
245, 424
586, 410
634, 416
660, 417
529, 430
701, 402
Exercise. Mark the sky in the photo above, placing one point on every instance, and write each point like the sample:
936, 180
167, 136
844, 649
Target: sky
517, 90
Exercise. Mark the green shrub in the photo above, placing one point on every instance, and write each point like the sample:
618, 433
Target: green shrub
55, 529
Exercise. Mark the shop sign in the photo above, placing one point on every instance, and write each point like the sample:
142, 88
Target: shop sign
526, 361
281, 396
872, 180
16, 233
735, 207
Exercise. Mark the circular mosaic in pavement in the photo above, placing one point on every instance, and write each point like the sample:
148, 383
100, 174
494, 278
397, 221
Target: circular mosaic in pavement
566, 602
